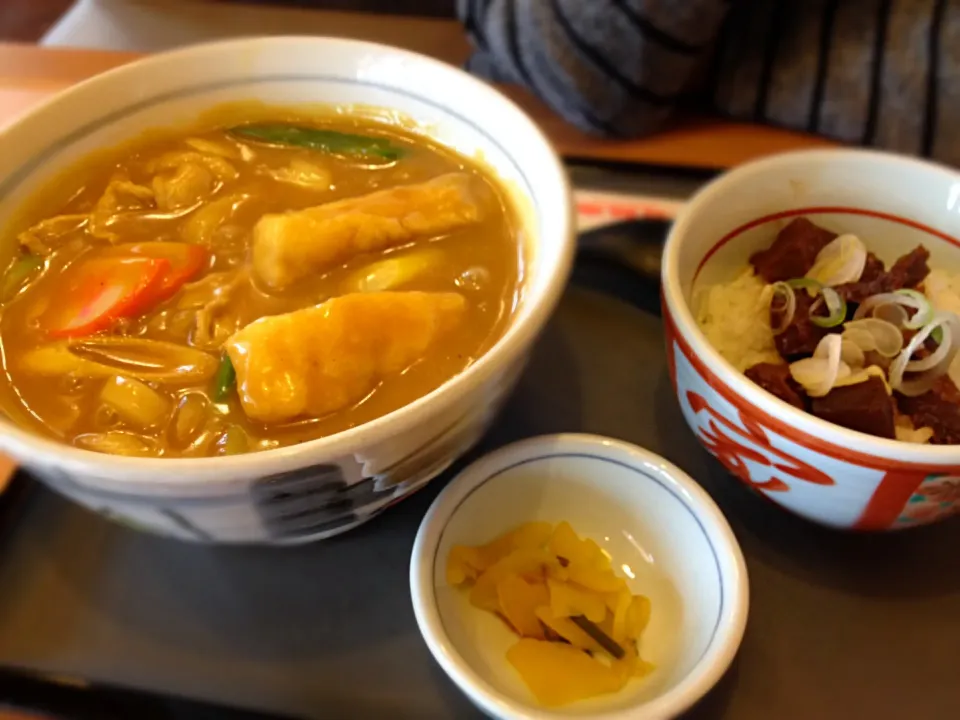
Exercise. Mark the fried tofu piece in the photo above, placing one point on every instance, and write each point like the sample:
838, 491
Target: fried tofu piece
315, 361
294, 245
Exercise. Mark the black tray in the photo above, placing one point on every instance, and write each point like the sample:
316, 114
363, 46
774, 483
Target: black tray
841, 625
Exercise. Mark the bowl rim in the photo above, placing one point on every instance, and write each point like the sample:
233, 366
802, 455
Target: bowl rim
217, 471
681, 315
705, 673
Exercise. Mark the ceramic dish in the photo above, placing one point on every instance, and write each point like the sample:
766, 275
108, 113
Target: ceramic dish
326, 486
659, 527
816, 469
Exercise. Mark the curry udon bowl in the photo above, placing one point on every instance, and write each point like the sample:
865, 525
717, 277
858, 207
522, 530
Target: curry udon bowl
818, 470
316, 488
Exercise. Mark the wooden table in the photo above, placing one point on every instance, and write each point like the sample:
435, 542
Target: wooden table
29, 74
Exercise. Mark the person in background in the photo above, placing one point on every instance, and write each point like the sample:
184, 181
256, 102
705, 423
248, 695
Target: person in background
884, 73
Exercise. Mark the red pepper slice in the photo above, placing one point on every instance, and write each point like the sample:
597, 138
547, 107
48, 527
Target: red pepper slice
97, 292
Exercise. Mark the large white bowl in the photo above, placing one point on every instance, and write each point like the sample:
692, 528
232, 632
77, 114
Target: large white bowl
659, 527
326, 486
816, 469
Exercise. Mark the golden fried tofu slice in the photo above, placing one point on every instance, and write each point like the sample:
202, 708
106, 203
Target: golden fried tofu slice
321, 359
293, 245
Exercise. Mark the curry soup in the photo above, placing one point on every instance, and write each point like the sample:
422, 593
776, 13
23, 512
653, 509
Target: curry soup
225, 290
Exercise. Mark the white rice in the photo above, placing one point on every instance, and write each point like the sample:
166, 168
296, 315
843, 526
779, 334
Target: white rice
735, 317
943, 290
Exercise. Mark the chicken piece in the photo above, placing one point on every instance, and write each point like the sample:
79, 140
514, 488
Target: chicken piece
190, 184
219, 167
321, 359
303, 173
293, 245
120, 198
186, 178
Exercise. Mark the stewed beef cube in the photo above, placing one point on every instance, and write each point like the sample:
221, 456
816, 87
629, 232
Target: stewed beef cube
938, 409
907, 272
864, 406
793, 252
801, 336
775, 379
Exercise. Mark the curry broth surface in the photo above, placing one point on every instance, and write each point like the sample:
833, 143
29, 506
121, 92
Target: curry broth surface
483, 262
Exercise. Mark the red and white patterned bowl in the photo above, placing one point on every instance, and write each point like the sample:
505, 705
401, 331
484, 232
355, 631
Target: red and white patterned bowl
816, 469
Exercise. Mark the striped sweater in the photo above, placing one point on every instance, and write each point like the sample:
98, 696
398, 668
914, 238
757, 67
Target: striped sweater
872, 72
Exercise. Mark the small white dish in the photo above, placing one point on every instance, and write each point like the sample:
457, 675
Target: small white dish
660, 528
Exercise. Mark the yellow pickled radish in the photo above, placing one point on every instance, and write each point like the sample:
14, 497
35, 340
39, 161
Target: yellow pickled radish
568, 630
597, 556
578, 621
463, 563
558, 674
529, 536
519, 601
621, 617
638, 616
565, 543
528, 563
643, 668
567, 600
631, 664
594, 578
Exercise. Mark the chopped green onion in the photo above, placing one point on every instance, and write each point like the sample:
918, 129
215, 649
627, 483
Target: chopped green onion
21, 269
329, 141
836, 309
937, 334
225, 380
809, 284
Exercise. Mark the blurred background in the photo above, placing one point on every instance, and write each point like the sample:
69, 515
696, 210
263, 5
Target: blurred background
145, 25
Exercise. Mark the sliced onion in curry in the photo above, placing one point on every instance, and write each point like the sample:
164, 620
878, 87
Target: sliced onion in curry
841, 261
151, 360
119, 443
